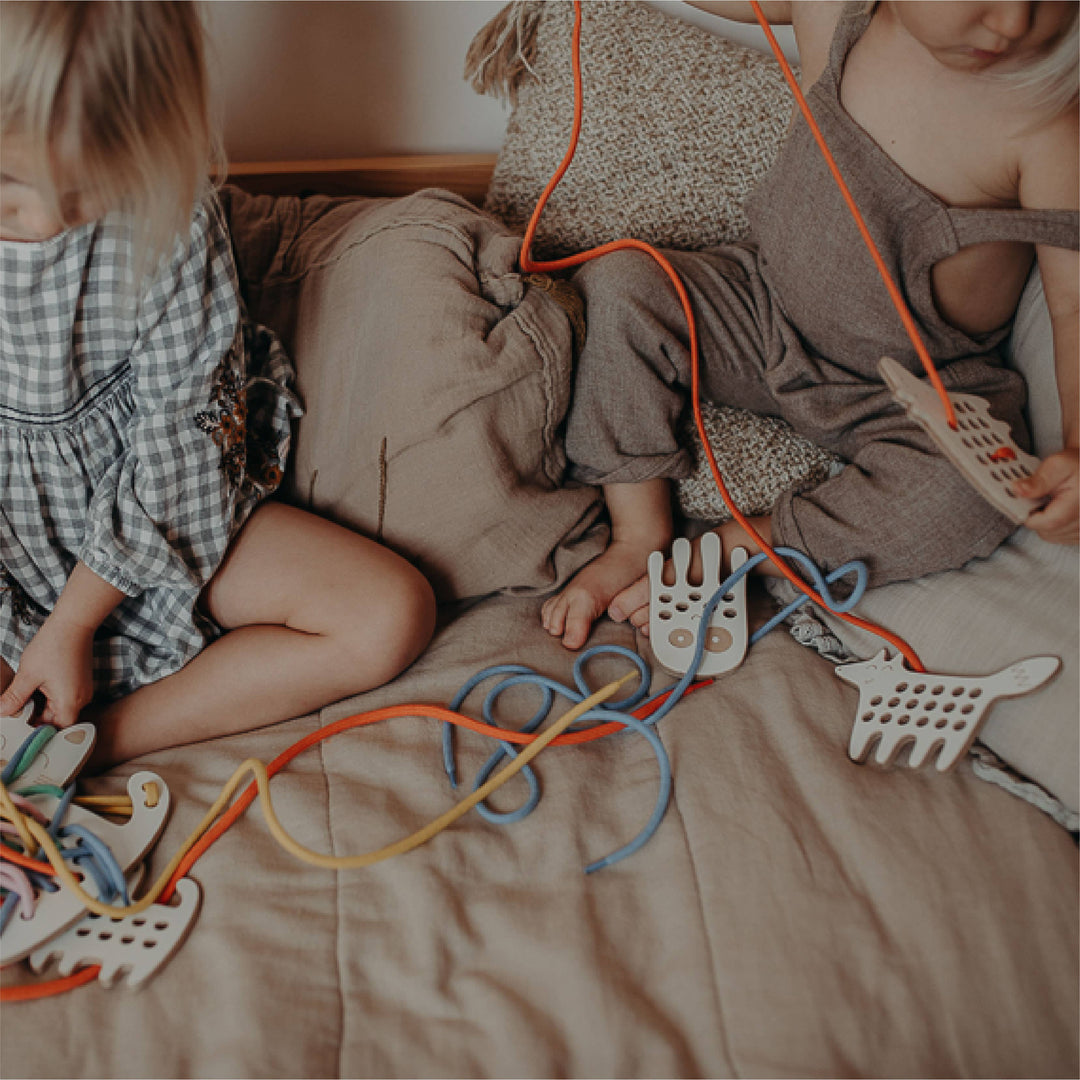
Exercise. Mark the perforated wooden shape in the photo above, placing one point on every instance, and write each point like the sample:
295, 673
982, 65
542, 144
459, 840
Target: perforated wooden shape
982, 448
929, 712
675, 610
134, 946
54, 912
57, 762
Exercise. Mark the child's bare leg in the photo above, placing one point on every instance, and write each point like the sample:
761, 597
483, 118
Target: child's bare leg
640, 523
314, 613
632, 604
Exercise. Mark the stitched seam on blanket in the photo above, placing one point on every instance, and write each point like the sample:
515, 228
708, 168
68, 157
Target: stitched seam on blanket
339, 254
540, 344
720, 1025
338, 944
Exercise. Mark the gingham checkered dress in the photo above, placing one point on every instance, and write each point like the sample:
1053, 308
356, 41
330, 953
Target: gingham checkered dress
136, 440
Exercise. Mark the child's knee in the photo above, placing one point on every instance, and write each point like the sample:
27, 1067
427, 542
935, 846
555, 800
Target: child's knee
389, 631
616, 280
414, 617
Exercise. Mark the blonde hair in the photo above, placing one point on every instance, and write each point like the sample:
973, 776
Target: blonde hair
126, 82
1052, 83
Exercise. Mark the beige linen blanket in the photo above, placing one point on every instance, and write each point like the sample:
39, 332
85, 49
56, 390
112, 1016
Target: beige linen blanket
795, 914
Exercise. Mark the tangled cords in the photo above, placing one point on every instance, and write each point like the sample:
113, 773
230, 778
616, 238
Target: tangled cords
650, 711
92, 855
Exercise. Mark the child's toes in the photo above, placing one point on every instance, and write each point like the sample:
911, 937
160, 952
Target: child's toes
580, 615
632, 599
553, 615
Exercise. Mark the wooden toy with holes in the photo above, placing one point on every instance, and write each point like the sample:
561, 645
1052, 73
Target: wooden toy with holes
54, 912
57, 762
135, 945
982, 448
898, 707
675, 611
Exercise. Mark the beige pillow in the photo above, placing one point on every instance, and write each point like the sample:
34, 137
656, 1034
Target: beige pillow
678, 127
435, 378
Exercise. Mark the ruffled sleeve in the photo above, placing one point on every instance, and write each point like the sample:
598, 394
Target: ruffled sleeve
164, 511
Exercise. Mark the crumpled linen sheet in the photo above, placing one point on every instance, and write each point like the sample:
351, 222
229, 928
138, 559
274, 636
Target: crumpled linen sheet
796, 914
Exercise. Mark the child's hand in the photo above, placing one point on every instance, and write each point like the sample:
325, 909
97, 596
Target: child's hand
1057, 480
57, 662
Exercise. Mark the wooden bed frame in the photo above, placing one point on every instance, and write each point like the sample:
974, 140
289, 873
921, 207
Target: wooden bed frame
466, 174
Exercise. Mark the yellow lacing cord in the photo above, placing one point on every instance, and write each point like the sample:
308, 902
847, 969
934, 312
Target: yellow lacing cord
119, 805
10, 812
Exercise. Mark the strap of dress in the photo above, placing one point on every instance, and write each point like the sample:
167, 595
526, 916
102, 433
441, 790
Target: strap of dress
850, 26
1055, 228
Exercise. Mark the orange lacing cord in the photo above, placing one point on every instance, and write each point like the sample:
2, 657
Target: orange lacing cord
33, 991
530, 265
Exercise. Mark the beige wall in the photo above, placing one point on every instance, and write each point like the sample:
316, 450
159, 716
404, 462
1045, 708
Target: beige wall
348, 78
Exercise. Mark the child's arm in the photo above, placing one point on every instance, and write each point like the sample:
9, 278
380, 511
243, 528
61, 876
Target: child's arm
57, 660
813, 22
776, 11
1050, 178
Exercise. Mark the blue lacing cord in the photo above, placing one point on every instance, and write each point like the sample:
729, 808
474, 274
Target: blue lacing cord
7, 909
520, 675
93, 854
28, 750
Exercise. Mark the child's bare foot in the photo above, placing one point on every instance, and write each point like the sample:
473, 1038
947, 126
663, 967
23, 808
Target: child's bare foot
640, 524
571, 614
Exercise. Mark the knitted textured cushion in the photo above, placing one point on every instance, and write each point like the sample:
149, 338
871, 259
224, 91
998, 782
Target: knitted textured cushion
759, 457
679, 125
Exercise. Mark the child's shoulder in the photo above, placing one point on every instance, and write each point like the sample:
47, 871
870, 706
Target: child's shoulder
1048, 163
814, 23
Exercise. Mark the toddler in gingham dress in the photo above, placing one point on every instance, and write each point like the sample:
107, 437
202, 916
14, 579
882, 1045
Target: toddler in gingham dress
144, 583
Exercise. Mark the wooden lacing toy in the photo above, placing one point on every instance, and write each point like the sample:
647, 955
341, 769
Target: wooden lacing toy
676, 611
929, 712
58, 925
981, 447
129, 843
57, 761
129, 948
